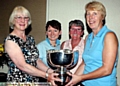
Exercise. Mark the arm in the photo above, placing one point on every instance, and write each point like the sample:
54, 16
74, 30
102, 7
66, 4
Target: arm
40, 64
17, 57
43, 67
109, 56
80, 69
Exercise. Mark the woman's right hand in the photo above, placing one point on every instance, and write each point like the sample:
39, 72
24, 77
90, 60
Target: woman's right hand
52, 77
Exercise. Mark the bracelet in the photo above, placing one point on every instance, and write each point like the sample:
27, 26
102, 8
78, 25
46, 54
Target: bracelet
47, 70
46, 75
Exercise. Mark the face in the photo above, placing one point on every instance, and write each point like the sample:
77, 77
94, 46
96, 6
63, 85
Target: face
21, 22
75, 32
94, 19
53, 33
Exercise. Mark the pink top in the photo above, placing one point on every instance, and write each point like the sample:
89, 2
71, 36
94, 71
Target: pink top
79, 47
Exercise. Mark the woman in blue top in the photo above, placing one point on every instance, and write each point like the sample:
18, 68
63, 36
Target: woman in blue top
53, 34
101, 51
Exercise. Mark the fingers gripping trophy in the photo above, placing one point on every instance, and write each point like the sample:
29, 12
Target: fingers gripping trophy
63, 60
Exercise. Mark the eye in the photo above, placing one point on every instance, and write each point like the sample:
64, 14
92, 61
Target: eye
87, 14
79, 29
95, 13
72, 29
55, 30
19, 17
26, 18
49, 31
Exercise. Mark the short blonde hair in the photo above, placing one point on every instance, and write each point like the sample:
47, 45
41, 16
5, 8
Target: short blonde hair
95, 5
19, 10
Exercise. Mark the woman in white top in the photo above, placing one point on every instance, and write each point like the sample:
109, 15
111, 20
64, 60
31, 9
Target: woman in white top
76, 42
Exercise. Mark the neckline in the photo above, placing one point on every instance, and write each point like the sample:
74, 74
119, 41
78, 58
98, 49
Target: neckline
18, 37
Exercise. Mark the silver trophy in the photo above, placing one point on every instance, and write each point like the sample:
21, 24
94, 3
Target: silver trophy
63, 60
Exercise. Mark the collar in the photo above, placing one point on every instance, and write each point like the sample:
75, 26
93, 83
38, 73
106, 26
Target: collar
99, 34
57, 41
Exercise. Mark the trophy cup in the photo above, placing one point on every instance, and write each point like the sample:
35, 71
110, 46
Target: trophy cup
62, 60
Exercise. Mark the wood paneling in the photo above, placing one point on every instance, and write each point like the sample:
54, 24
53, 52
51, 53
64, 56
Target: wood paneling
37, 9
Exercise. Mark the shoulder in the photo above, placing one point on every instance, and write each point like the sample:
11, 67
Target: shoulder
111, 36
64, 42
82, 42
111, 39
12, 38
42, 44
82, 39
62, 45
67, 41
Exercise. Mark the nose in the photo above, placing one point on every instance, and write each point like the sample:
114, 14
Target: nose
91, 16
23, 19
75, 30
52, 33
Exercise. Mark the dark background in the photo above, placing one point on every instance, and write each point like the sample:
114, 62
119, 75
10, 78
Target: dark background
37, 9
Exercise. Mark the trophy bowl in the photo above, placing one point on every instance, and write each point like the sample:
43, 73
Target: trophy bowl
62, 60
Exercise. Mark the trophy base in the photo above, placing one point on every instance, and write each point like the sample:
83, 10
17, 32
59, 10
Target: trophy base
60, 83
62, 75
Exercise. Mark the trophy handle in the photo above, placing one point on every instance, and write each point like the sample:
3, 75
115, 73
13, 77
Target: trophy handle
67, 66
50, 62
74, 59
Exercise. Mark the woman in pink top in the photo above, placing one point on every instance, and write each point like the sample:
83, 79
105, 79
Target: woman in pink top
76, 42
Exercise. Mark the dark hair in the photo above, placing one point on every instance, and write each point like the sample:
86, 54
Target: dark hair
55, 24
78, 23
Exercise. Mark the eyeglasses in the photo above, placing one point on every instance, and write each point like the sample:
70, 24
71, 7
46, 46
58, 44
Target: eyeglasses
20, 18
72, 29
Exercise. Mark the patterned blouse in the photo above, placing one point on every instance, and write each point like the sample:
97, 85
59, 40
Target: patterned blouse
30, 53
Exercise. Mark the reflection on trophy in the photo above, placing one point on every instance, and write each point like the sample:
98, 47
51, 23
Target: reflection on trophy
62, 60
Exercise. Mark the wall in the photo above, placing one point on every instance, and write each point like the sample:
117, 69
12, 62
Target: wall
37, 9
66, 10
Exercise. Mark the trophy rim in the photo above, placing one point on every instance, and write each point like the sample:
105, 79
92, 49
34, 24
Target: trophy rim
65, 51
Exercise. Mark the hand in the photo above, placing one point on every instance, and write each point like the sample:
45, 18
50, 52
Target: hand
68, 78
53, 77
75, 79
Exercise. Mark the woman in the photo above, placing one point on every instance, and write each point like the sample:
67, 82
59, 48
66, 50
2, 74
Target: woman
100, 54
53, 32
76, 42
21, 51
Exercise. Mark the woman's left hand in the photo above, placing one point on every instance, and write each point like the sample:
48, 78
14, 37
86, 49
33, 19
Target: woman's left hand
75, 79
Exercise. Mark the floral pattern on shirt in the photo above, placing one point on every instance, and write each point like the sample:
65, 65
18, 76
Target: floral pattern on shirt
30, 53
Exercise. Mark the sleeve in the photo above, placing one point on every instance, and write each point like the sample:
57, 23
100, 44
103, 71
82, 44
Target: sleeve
41, 50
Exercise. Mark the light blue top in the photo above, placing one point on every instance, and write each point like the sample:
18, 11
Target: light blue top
92, 56
44, 46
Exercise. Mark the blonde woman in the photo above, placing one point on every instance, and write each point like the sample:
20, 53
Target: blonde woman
100, 55
22, 54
